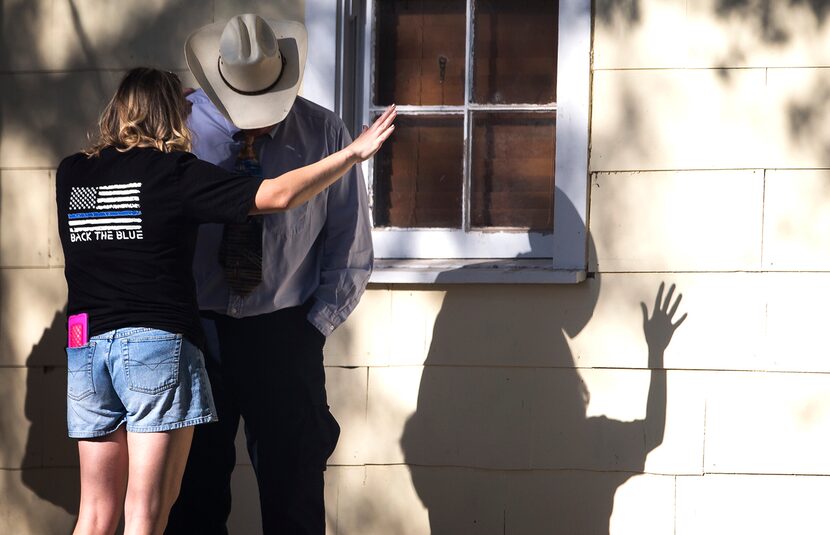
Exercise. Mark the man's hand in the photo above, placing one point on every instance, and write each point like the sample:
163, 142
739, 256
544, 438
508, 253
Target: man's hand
372, 137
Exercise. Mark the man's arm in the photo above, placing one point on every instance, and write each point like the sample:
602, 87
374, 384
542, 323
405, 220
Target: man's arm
347, 255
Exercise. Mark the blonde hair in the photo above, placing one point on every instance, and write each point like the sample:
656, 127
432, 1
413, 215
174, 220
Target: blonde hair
147, 110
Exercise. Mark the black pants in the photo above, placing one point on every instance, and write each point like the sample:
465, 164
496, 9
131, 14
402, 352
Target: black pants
269, 370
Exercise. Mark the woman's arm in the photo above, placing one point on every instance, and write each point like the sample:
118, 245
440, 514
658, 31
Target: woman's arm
298, 186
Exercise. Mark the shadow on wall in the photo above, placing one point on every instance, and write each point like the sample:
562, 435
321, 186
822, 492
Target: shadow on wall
807, 115
609, 11
500, 437
772, 28
55, 81
47, 445
773, 25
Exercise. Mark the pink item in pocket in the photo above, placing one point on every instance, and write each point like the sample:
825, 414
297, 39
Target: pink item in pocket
78, 329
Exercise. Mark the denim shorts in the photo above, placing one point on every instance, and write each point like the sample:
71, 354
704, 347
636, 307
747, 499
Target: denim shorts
151, 380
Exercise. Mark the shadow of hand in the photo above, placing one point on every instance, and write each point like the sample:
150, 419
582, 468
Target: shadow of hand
659, 328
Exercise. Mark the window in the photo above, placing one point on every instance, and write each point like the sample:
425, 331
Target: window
489, 157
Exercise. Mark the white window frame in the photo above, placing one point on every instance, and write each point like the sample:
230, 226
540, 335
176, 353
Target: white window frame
456, 255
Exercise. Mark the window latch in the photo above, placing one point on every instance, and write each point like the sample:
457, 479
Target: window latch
442, 68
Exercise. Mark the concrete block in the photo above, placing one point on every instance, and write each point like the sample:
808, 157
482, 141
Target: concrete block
242, 457
347, 393
32, 321
723, 330
521, 419
797, 115
494, 325
742, 34
375, 500
42, 501
392, 398
644, 34
482, 417
48, 35
245, 514
187, 78
364, 339
87, 33
26, 27
757, 504
590, 503
331, 495
413, 317
796, 337
47, 116
48, 384
288, 10
709, 34
666, 438
56, 258
677, 221
680, 119
19, 448
768, 423
26, 203
797, 221
644, 504
380, 499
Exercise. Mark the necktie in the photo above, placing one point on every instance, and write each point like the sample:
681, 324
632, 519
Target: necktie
240, 252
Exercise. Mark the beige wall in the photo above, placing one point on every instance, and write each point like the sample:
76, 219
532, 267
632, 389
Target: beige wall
511, 409
709, 150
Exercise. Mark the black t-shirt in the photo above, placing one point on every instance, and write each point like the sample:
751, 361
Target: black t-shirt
128, 222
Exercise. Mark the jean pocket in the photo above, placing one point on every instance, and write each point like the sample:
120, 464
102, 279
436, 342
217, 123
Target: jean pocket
79, 384
151, 362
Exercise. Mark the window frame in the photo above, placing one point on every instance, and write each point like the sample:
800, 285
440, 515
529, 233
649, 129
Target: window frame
428, 255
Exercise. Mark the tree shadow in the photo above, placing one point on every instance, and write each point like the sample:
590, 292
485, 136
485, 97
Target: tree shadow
773, 29
806, 118
774, 24
501, 437
611, 11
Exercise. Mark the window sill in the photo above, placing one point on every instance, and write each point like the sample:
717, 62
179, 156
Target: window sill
472, 271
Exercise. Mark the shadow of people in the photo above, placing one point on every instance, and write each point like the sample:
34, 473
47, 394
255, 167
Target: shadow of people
500, 438
47, 445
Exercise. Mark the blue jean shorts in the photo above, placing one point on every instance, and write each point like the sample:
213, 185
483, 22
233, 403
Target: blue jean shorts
152, 380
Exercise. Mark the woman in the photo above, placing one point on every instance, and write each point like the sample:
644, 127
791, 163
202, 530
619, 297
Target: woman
128, 211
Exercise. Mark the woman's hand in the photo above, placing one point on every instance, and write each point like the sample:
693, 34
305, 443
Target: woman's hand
660, 328
372, 137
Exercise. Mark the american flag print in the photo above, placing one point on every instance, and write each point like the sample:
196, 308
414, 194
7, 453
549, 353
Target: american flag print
110, 212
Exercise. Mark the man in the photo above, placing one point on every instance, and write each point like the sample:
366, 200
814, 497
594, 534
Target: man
271, 290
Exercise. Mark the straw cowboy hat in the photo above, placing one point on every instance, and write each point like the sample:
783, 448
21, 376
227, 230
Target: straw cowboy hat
250, 68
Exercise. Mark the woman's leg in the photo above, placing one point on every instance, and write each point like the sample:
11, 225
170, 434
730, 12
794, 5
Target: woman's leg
103, 483
157, 462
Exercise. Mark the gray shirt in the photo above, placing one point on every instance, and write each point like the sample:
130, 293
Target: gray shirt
322, 249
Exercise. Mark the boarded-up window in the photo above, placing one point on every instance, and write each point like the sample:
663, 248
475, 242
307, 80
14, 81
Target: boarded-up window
420, 52
422, 174
512, 170
476, 91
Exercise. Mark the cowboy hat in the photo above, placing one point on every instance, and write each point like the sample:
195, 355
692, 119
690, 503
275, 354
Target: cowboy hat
250, 67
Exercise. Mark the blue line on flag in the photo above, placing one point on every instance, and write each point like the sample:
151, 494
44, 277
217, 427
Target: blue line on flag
105, 214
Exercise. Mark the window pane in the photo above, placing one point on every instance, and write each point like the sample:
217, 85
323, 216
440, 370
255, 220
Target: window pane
515, 51
512, 170
419, 52
418, 174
